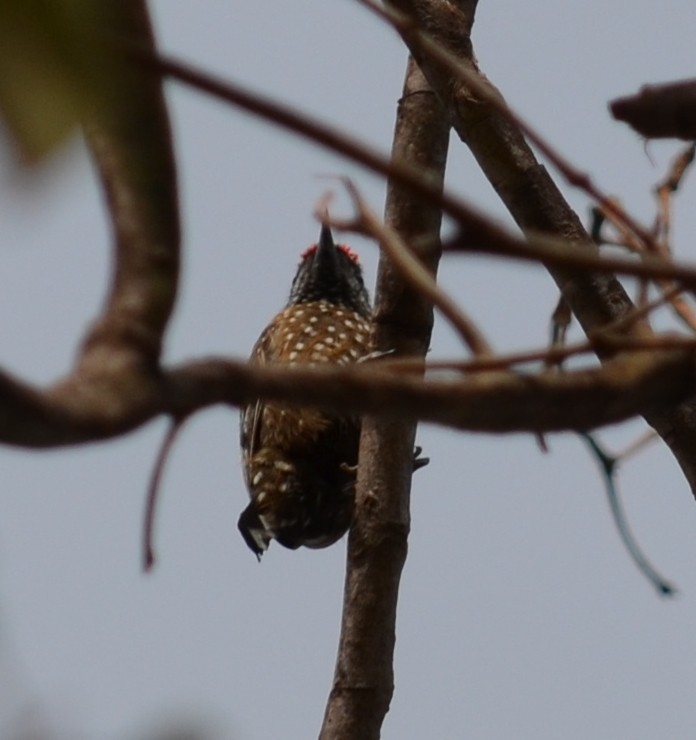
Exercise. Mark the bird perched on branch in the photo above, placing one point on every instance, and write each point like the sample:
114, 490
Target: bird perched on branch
299, 463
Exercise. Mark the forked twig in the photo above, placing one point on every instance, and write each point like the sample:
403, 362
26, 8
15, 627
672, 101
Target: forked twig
645, 439
660, 245
665, 189
607, 464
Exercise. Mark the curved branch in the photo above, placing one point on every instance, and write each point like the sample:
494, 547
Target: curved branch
607, 465
116, 385
153, 492
462, 68
130, 140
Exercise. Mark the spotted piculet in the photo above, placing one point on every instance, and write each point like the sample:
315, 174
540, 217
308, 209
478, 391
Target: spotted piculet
299, 463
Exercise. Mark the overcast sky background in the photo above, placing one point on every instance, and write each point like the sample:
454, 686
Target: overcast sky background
520, 614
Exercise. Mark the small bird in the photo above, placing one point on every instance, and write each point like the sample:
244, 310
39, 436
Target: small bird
300, 463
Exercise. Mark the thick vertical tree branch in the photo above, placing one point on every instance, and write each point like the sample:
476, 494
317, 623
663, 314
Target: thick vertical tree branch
377, 544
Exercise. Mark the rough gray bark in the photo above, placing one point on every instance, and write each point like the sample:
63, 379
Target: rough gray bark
377, 544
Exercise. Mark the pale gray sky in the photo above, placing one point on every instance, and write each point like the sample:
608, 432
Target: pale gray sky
521, 615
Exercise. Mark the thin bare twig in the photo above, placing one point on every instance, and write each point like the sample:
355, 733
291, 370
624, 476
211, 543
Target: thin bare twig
666, 189
539, 248
663, 221
660, 245
548, 356
607, 465
412, 271
153, 490
645, 439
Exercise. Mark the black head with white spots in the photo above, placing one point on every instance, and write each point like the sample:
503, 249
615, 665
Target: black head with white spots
332, 273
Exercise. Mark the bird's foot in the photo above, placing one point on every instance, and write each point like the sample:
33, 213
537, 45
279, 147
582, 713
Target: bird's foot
418, 461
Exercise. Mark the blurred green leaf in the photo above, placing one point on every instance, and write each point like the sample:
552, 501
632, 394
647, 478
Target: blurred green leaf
51, 69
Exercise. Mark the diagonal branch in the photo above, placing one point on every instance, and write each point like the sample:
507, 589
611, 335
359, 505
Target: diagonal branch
479, 233
463, 69
412, 271
530, 195
506, 159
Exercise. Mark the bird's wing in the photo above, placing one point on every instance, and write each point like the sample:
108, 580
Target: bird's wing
252, 415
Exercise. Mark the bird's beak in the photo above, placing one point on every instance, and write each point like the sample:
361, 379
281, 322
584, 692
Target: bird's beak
325, 261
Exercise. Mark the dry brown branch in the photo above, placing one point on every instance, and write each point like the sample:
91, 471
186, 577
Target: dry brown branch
133, 152
489, 402
153, 491
610, 334
506, 159
561, 257
601, 342
530, 195
628, 240
660, 245
663, 222
480, 234
413, 20
660, 111
116, 384
666, 189
413, 272
119, 384
114, 390
363, 680
646, 308
636, 381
